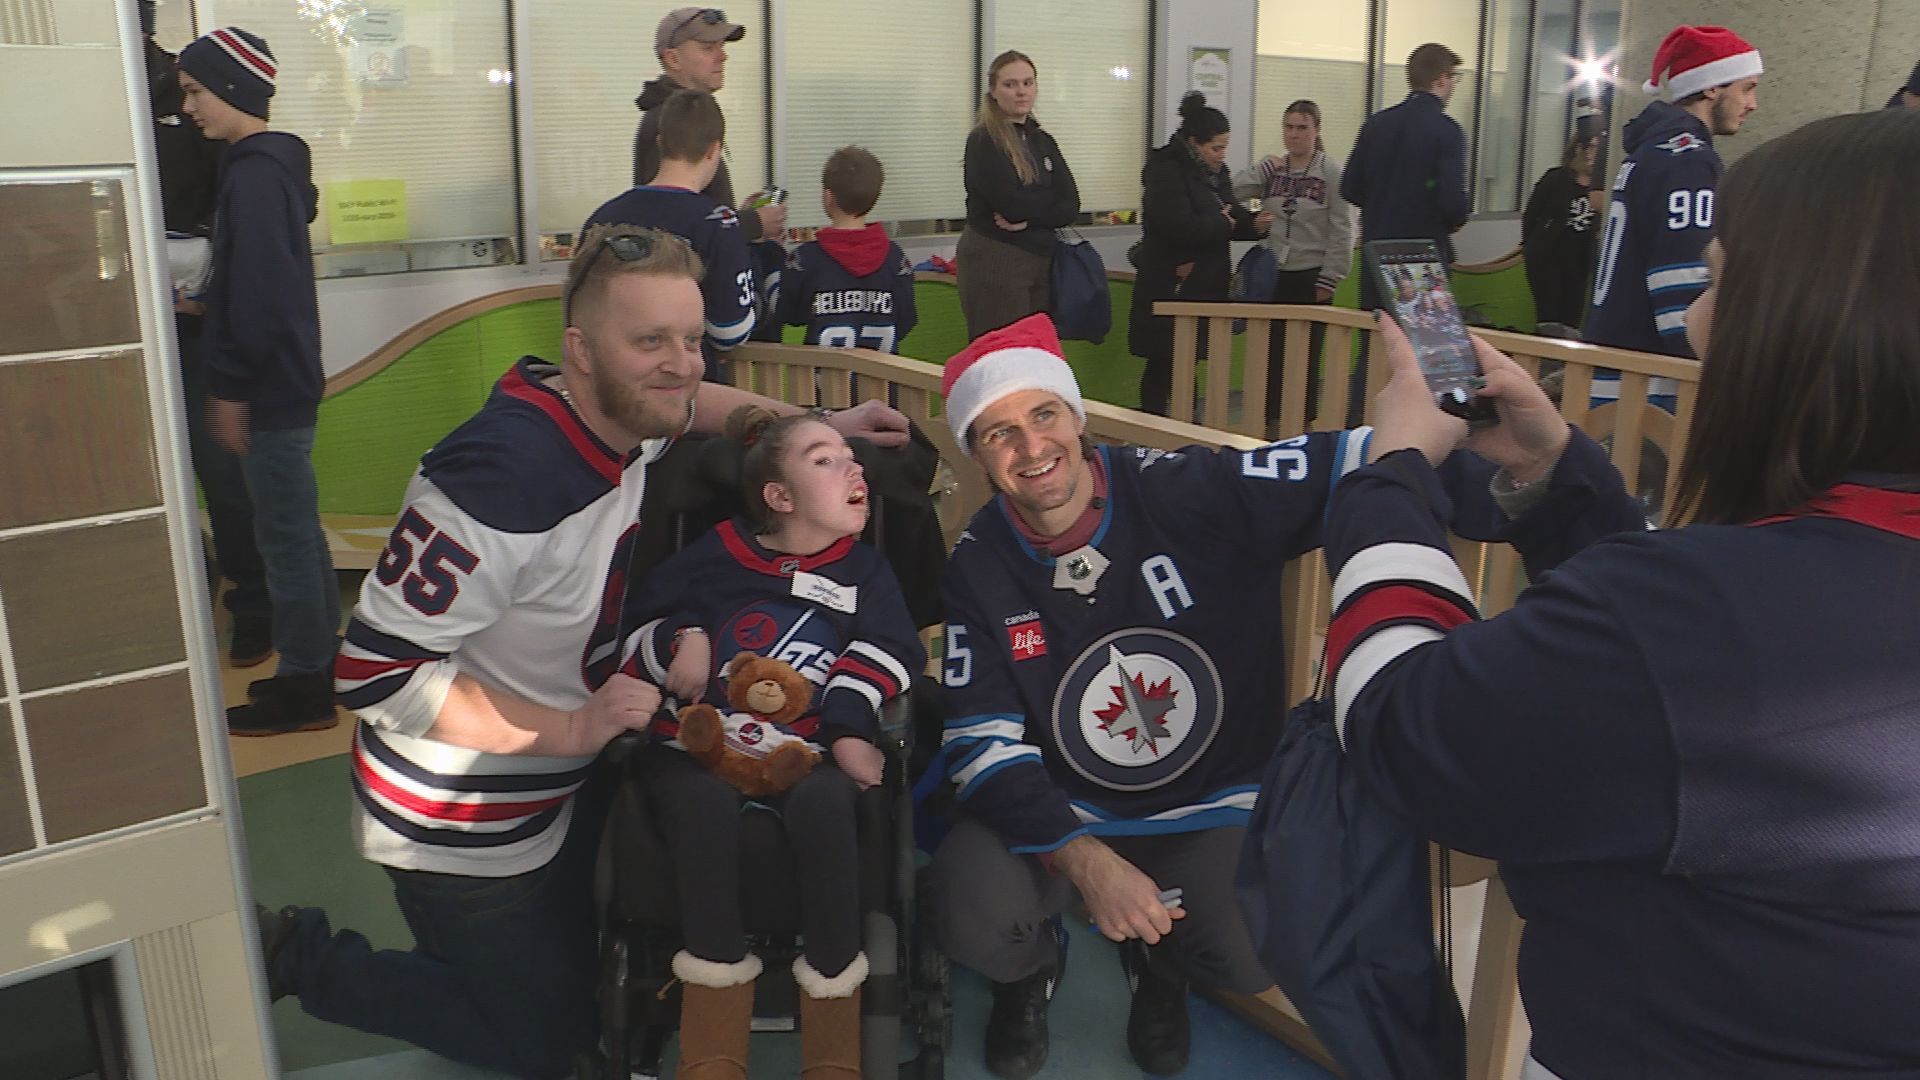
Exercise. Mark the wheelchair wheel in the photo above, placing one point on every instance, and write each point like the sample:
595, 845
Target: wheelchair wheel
931, 990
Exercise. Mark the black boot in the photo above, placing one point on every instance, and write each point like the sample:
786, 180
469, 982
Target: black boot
1017, 1027
276, 929
252, 640
1158, 1034
289, 703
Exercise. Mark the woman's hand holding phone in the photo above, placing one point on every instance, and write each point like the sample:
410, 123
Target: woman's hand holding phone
1527, 441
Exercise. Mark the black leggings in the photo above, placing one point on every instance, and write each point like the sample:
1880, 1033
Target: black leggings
700, 816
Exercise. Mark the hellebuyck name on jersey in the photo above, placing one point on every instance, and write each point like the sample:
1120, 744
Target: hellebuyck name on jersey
1135, 685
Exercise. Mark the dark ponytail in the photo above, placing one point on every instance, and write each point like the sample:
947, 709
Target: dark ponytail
765, 436
1200, 122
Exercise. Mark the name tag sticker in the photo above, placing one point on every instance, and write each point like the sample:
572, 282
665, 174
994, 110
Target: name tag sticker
826, 593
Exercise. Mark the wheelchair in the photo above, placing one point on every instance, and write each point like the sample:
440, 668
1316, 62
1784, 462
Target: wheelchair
906, 1003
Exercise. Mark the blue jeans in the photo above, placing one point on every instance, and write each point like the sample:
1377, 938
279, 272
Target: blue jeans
501, 975
224, 484
286, 525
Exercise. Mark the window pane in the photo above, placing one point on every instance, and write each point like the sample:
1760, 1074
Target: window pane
1318, 52
1499, 180
1554, 73
584, 72
909, 100
1453, 23
1092, 60
407, 106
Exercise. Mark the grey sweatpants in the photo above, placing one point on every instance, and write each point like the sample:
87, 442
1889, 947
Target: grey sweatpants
991, 906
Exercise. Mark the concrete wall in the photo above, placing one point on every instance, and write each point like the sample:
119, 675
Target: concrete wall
1822, 57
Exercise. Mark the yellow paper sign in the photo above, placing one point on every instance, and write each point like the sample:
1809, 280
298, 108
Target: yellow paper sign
367, 211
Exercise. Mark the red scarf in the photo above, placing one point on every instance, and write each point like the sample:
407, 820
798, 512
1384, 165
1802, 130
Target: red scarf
1896, 512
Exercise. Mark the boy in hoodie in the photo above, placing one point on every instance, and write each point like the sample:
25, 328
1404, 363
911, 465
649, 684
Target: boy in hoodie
691, 43
1660, 215
850, 286
262, 338
690, 136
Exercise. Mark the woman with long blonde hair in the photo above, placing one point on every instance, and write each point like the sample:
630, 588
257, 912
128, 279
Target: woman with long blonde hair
1019, 190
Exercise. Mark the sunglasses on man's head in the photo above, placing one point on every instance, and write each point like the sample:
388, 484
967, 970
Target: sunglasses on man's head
627, 247
710, 16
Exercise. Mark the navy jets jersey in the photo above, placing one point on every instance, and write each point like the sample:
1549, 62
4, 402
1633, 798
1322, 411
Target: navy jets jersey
851, 288
1138, 689
837, 616
1659, 219
715, 234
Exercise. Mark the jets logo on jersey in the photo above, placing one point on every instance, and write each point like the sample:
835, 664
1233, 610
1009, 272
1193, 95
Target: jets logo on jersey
1137, 708
725, 216
1682, 143
784, 629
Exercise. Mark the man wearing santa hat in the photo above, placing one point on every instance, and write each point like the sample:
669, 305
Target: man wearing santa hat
1111, 693
1660, 214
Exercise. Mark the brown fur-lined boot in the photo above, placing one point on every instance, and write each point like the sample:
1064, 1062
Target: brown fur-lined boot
716, 1016
830, 1020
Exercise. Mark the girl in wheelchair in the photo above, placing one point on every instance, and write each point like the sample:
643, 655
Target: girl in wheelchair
791, 581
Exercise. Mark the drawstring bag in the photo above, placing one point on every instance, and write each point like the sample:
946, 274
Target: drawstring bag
1336, 893
1082, 310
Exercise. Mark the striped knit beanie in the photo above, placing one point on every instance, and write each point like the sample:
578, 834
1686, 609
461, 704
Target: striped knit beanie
235, 65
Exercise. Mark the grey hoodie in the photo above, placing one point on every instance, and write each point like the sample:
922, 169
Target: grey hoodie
1318, 234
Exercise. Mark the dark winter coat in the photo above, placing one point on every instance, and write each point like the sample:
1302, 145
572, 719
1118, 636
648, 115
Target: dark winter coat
1181, 224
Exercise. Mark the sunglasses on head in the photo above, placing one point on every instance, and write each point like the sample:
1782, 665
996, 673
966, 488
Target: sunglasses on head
627, 247
710, 16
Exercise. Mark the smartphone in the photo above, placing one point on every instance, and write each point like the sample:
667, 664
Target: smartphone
769, 197
1412, 280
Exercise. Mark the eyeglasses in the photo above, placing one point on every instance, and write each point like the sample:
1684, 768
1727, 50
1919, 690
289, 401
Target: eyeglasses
710, 16
627, 247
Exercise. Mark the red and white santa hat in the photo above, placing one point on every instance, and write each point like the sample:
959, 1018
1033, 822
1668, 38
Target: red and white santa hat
1025, 355
1696, 58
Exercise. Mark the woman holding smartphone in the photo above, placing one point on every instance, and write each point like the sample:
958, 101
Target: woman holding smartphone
1693, 751
1188, 218
1019, 190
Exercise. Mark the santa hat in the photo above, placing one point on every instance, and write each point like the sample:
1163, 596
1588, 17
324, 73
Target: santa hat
1022, 356
235, 65
1697, 58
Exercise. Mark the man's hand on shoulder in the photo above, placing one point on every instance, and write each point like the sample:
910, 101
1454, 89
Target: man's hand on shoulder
874, 421
1124, 901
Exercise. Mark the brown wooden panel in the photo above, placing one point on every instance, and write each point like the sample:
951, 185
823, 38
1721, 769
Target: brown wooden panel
88, 602
16, 828
76, 441
66, 281
115, 755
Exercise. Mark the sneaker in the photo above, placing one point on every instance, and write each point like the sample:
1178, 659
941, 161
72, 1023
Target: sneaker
252, 640
276, 929
1017, 1027
296, 703
1159, 1035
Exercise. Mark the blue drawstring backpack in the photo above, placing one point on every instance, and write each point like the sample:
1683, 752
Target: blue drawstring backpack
1335, 890
1082, 310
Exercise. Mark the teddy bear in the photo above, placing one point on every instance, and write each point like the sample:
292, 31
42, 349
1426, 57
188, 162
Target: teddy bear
748, 748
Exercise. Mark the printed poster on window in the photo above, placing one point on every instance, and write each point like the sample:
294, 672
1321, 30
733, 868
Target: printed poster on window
367, 211
1208, 71
378, 53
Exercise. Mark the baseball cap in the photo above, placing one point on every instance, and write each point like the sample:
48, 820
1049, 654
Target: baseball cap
682, 25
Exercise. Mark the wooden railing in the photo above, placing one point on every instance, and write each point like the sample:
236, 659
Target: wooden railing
1496, 1028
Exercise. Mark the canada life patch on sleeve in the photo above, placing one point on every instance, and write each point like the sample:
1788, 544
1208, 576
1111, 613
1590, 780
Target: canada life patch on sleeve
1682, 143
1025, 637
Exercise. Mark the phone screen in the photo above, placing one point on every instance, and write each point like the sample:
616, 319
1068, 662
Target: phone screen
1413, 283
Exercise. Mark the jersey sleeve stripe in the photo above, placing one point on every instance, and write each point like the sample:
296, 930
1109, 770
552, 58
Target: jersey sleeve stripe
727, 335
850, 666
1670, 322
990, 759
976, 727
1389, 605
383, 644
1367, 660
881, 659
1679, 276
1400, 561
858, 686
371, 692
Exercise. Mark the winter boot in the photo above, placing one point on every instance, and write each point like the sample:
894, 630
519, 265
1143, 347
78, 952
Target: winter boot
830, 1020
1158, 1032
296, 703
716, 1016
